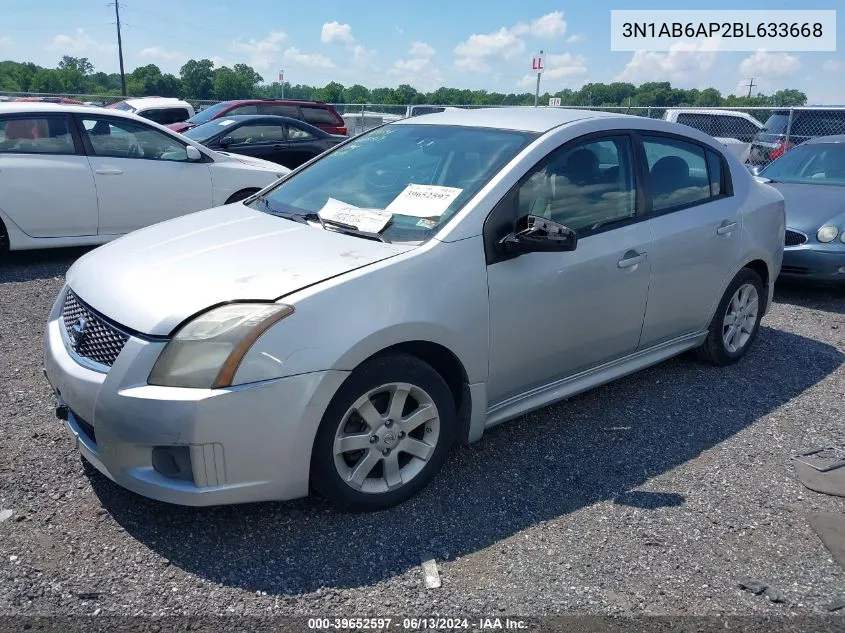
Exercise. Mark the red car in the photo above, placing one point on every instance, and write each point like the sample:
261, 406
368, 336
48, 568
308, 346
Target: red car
316, 113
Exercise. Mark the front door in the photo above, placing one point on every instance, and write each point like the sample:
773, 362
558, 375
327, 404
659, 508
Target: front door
143, 175
555, 314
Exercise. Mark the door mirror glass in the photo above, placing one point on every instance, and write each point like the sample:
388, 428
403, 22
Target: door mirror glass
540, 235
193, 153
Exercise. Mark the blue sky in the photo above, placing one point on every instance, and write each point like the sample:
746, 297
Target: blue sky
457, 43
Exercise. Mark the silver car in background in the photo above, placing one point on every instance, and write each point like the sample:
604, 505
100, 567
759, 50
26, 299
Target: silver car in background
426, 280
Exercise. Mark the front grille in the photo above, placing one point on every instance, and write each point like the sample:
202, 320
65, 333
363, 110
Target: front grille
90, 335
794, 238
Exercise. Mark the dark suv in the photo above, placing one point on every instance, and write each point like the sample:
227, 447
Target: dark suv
778, 134
317, 113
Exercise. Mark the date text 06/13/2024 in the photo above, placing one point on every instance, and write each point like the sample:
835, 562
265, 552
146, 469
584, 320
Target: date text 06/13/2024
416, 624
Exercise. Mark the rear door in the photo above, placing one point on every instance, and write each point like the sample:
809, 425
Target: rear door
302, 146
695, 228
143, 175
45, 178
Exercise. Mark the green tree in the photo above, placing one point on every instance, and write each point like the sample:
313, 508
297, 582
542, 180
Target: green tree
709, 97
789, 97
226, 85
332, 92
357, 94
197, 78
79, 65
50, 81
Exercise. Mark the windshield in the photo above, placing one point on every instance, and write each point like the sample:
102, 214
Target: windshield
411, 178
815, 164
777, 123
209, 113
124, 106
203, 132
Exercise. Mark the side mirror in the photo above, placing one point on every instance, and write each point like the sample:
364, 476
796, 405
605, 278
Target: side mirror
755, 169
193, 153
540, 236
225, 141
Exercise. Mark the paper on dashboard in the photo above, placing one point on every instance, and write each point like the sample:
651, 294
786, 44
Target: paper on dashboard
365, 220
424, 201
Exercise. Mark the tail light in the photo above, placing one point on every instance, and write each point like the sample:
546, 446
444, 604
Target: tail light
343, 131
783, 146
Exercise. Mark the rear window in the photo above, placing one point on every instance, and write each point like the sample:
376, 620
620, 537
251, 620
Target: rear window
209, 113
701, 122
281, 110
123, 106
318, 116
38, 135
166, 116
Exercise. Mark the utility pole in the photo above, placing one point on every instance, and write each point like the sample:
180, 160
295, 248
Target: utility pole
120, 48
539, 69
750, 86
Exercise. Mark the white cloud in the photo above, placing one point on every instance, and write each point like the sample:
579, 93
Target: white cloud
562, 66
160, 53
830, 65
307, 60
335, 32
472, 65
5, 40
421, 49
577, 38
261, 53
501, 42
684, 63
79, 43
549, 25
769, 65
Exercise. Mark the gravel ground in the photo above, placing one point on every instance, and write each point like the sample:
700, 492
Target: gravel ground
657, 494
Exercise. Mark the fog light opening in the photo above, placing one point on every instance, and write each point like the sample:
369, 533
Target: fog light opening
173, 462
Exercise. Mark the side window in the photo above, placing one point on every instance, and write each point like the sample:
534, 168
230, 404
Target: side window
702, 122
678, 172
281, 110
734, 127
318, 116
42, 135
128, 139
583, 185
244, 109
716, 171
298, 134
254, 134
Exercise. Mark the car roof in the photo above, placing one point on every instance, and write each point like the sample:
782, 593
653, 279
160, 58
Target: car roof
719, 111
41, 107
524, 119
272, 118
833, 138
283, 101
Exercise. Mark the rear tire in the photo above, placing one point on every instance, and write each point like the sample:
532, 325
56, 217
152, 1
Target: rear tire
737, 320
241, 195
385, 434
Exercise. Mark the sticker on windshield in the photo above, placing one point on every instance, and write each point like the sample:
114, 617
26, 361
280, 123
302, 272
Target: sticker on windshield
365, 220
226, 122
426, 224
424, 201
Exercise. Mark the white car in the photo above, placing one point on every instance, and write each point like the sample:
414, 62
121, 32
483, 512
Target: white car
164, 110
78, 175
733, 128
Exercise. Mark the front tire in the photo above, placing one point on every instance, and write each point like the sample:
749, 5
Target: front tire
737, 320
4, 241
385, 434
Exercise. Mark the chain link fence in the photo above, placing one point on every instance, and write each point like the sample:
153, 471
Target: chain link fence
756, 135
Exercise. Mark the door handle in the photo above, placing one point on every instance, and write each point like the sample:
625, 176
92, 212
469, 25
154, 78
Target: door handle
109, 172
726, 228
631, 258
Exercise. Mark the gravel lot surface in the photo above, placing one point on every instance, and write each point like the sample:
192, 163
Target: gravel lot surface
657, 494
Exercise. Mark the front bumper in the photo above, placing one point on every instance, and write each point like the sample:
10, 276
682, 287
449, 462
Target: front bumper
814, 262
248, 443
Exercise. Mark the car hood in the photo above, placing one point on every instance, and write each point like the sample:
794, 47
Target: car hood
808, 207
153, 279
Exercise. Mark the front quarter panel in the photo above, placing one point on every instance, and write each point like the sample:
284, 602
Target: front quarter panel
228, 177
436, 293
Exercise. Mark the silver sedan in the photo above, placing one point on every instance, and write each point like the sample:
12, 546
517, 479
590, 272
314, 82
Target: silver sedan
340, 330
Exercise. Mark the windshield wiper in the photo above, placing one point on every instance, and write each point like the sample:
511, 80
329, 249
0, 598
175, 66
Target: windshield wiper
349, 229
